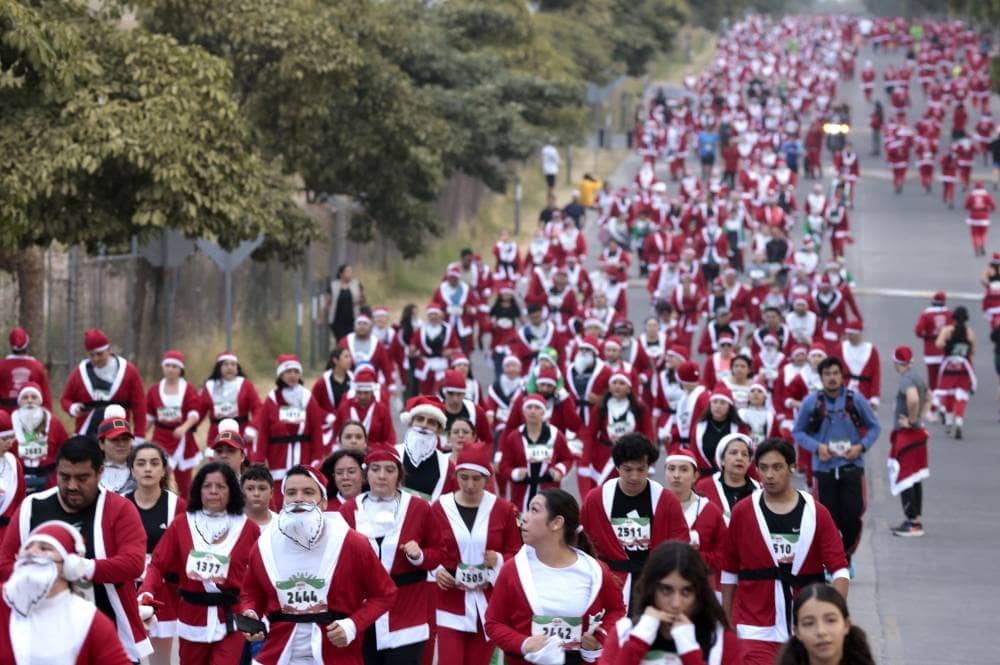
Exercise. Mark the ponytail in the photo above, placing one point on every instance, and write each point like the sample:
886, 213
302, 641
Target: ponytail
560, 503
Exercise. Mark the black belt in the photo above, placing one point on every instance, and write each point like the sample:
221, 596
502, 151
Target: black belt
239, 419
288, 438
104, 403
168, 426
405, 579
225, 599
624, 565
314, 617
860, 377
38, 470
172, 578
788, 581
9, 401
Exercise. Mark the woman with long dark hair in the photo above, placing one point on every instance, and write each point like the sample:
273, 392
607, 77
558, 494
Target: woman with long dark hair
228, 393
719, 420
824, 634
619, 413
399, 351
545, 598
675, 613
174, 410
335, 382
958, 378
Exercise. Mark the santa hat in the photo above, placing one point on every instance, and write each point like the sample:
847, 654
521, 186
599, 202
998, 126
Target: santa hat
287, 361
798, 350
226, 355
363, 318
18, 339
770, 339
380, 310
454, 270
229, 435
759, 386
113, 427
506, 286
454, 382
688, 372
365, 379
6, 427
593, 322
677, 351
588, 342
682, 455
724, 442
433, 306
424, 405
95, 341
533, 398
995, 258
547, 375
613, 341
939, 298
459, 359
817, 349
726, 338
313, 473
29, 387
64, 537
854, 327
173, 357
902, 355
512, 360
722, 392
381, 452
475, 457
621, 376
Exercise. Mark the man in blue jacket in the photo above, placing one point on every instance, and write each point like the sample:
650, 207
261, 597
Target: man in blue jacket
838, 427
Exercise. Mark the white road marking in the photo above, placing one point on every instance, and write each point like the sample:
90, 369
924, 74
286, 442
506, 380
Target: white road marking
915, 293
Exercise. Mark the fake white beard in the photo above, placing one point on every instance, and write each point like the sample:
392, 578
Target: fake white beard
211, 526
582, 362
509, 385
419, 443
31, 416
302, 523
293, 396
30, 583
376, 521
433, 330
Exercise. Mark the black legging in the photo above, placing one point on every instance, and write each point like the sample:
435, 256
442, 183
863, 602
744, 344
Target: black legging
411, 654
842, 491
913, 501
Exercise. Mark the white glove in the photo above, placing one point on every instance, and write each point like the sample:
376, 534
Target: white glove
550, 654
75, 408
518, 474
575, 446
146, 612
76, 568
591, 656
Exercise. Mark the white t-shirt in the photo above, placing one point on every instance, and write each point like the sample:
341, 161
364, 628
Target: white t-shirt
550, 160
561, 591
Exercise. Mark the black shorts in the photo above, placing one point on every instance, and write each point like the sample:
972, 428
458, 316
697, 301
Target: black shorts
550, 179
708, 160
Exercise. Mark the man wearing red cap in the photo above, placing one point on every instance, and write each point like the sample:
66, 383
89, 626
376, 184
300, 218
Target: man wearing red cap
12, 487
317, 580
861, 361
433, 343
456, 405
929, 325
115, 543
460, 303
979, 204
360, 405
429, 472
102, 379
19, 368
908, 465
38, 436
366, 348
41, 619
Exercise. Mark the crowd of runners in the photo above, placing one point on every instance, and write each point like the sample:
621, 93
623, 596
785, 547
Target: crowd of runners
405, 507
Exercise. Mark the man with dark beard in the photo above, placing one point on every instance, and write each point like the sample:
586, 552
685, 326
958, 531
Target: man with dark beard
42, 622
317, 580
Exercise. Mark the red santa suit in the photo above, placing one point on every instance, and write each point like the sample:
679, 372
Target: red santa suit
531, 461
707, 532
36, 447
613, 537
629, 644
287, 434
12, 487
710, 487
285, 584
461, 305
236, 399
965, 155
375, 417
689, 409
949, 171
17, 370
433, 348
610, 420
407, 621
166, 412
86, 395
929, 325
764, 594
863, 370
211, 575
118, 555
376, 354
517, 599
508, 260
979, 204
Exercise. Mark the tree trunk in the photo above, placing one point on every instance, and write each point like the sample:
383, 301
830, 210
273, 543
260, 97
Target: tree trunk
30, 269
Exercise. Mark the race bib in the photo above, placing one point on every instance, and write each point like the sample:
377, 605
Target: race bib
568, 630
503, 414
471, 577
632, 532
222, 410
455, 310
33, 448
291, 415
661, 658
301, 594
426, 497
839, 446
101, 395
783, 546
168, 414
618, 429
505, 324
206, 566
537, 453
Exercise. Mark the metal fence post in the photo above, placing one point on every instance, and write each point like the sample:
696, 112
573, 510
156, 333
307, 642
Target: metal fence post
74, 266
517, 205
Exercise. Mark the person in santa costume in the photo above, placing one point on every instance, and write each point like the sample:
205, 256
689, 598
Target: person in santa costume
456, 404
428, 472
734, 481
949, 174
861, 360
407, 538
104, 378
318, 582
116, 442
157, 506
367, 349
38, 436
460, 302
42, 620
586, 375
534, 455
780, 540
208, 548
228, 393
361, 405
229, 447
174, 410
501, 394
12, 485
628, 516
958, 378
332, 386
979, 204
552, 601
289, 425
481, 533
619, 412
432, 345
344, 471
690, 406
929, 325
718, 420
676, 617
704, 520
908, 465
115, 541
19, 368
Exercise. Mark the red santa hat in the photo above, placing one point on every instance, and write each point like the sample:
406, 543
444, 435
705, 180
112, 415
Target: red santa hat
533, 398
475, 457
798, 350
433, 306
18, 339
113, 427
759, 386
454, 270
459, 359
64, 537
287, 361
173, 357
547, 375
817, 349
29, 387
226, 355
506, 286
314, 474
95, 341
511, 359
380, 310
381, 452
363, 318
677, 351
680, 455
726, 338
593, 322
229, 435
854, 327
902, 355
612, 342
6, 426
621, 376
722, 392
995, 258
771, 340
425, 405
365, 379
454, 382
688, 372
939, 298
588, 342
720, 450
